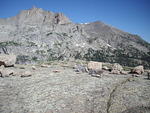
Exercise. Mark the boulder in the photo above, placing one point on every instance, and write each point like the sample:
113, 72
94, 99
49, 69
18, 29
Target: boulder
33, 67
6, 72
105, 68
7, 60
96, 73
26, 74
94, 65
117, 66
115, 72
80, 68
138, 70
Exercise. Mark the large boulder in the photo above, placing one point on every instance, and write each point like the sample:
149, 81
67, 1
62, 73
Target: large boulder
138, 70
94, 65
5, 72
117, 66
7, 60
116, 69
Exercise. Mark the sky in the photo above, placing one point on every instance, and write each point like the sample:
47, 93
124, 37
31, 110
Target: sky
131, 16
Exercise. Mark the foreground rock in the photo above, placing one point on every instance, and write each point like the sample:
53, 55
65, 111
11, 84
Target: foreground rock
94, 65
117, 69
7, 60
25, 74
5, 72
138, 70
68, 92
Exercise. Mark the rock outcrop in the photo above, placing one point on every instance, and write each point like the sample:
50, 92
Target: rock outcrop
7, 60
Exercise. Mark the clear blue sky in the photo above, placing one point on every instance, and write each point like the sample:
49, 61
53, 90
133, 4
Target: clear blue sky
128, 15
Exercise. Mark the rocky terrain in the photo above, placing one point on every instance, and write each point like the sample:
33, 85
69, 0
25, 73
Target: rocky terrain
36, 35
58, 88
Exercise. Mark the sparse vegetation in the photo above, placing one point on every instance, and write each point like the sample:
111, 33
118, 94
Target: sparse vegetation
34, 58
126, 68
49, 34
32, 44
64, 34
91, 40
22, 59
40, 51
10, 43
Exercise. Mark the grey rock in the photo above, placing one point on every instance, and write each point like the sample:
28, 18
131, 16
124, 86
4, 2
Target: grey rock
80, 68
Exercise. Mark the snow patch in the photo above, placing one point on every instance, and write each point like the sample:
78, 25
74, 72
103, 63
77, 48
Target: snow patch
109, 45
84, 23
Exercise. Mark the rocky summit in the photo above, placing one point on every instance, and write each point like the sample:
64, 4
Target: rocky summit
36, 35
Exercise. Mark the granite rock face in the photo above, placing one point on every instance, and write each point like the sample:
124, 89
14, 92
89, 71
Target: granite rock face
37, 35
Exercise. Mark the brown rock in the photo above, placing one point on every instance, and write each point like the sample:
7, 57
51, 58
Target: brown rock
94, 65
6, 72
7, 60
138, 70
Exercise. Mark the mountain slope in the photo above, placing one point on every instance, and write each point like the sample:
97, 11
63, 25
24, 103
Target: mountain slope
38, 35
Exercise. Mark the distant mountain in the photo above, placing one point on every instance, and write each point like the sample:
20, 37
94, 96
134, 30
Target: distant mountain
36, 35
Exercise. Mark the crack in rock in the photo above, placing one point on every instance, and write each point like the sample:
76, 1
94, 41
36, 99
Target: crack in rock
113, 92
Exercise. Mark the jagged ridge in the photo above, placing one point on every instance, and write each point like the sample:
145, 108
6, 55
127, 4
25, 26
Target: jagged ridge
38, 35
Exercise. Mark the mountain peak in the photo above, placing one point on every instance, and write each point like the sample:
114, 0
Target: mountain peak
39, 16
